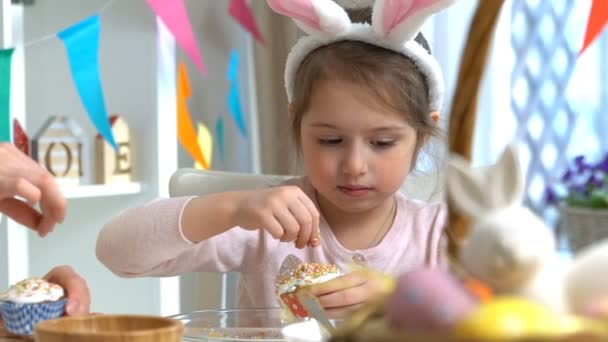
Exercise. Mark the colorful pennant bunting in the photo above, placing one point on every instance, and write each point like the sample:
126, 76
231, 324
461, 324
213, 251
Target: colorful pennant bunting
6, 57
219, 134
205, 141
234, 99
82, 45
174, 15
21, 140
598, 19
186, 133
242, 13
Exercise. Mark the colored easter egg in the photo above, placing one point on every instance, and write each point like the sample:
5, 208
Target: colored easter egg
428, 299
512, 317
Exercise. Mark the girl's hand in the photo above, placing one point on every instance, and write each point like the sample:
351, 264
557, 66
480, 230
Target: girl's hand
23, 184
286, 212
343, 295
79, 297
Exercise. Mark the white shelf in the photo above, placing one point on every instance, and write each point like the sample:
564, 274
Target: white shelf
101, 190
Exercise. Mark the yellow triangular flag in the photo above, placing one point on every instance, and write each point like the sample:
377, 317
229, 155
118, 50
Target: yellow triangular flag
205, 141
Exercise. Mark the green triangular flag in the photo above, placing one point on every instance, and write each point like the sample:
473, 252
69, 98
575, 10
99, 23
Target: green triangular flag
5, 94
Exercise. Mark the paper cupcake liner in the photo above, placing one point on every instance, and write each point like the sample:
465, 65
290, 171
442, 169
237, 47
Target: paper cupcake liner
20, 319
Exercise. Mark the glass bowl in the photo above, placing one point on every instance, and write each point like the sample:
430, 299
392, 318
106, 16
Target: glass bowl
232, 325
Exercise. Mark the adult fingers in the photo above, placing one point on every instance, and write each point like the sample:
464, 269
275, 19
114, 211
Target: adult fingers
21, 212
46, 225
26, 190
52, 202
79, 297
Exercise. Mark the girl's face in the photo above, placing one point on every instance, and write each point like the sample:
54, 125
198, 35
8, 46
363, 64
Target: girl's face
356, 152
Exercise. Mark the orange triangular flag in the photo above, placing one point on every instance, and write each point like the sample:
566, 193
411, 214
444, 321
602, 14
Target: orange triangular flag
598, 18
186, 133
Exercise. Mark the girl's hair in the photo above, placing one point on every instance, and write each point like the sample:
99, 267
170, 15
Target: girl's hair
392, 79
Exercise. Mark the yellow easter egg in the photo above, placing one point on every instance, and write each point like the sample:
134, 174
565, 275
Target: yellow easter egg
510, 317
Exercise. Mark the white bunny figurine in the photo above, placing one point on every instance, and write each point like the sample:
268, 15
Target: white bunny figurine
508, 247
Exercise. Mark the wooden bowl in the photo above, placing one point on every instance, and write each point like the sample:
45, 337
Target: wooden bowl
110, 328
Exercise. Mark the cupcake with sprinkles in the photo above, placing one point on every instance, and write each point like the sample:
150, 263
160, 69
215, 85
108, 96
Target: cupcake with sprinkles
291, 287
306, 274
28, 302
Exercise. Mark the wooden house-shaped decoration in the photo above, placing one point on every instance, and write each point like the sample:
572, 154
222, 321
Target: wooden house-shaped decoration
59, 146
114, 166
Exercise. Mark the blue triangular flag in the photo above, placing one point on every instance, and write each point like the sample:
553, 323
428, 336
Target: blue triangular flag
82, 45
234, 99
219, 134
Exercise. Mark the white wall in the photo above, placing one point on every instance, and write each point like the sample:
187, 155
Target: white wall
128, 71
218, 34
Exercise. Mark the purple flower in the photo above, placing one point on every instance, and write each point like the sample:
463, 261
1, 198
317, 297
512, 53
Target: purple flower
603, 165
567, 176
594, 181
580, 163
550, 196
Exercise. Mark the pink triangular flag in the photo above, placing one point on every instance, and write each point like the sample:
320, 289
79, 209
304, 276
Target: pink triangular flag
174, 16
241, 12
598, 19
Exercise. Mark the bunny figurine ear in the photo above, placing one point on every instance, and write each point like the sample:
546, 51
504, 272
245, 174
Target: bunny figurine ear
315, 17
400, 21
478, 191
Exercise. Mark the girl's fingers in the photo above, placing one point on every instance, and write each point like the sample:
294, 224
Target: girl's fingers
288, 222
315, 238
343, 312
274, 227
21, 212
305, 221
338, 284
347, 297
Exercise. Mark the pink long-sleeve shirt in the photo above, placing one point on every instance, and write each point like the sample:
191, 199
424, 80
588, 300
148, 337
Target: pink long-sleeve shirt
148, 241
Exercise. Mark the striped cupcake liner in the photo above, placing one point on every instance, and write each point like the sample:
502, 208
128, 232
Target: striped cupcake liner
20, 319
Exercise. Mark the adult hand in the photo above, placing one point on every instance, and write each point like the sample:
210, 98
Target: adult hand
23, 184
77, 291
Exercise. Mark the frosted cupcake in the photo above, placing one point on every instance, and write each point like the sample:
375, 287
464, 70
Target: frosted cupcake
307, 274
28, 302
303, 275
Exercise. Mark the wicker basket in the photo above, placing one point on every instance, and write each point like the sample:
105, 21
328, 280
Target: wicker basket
584, 226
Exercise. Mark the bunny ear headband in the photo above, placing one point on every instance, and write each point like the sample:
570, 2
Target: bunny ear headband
395, 24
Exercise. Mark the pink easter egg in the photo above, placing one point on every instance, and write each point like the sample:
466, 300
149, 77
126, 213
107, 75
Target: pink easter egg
428, 299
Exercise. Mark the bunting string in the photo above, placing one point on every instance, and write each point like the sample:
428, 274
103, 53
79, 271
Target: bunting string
50, 36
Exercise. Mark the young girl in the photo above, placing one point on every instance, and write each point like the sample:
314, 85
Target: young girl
364, 100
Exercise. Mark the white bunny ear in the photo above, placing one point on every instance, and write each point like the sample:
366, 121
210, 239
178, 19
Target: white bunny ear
315, 17
507, 180
465, 188
476, 192
400, 20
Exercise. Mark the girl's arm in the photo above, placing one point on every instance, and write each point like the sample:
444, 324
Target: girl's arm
215, 233
148, 241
